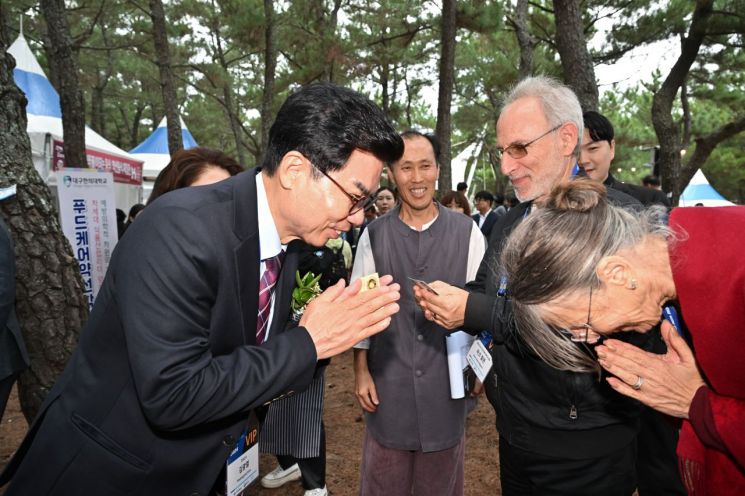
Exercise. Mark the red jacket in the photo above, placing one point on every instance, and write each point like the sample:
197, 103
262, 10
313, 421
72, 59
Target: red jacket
709, 272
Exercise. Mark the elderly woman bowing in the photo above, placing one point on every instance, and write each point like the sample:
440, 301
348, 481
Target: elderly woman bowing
581, 269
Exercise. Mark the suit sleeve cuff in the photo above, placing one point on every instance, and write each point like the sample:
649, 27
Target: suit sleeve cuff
478, 315
304, 356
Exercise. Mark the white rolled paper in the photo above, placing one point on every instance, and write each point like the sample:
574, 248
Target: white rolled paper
458, 344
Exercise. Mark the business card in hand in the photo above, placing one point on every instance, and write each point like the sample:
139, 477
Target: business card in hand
424, 286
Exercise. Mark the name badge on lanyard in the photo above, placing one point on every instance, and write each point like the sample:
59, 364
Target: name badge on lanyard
479, 359
243, 462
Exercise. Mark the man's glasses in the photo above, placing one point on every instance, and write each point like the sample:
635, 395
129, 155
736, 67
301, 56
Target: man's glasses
358, 202
519, 150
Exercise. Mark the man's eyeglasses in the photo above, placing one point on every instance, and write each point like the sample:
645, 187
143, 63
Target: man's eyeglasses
358, 202
519, 150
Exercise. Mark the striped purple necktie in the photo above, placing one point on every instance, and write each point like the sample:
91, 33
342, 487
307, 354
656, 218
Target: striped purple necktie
266, 288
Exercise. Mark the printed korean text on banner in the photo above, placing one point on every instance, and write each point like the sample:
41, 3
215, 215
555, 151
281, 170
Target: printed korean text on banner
88, 216
125, 170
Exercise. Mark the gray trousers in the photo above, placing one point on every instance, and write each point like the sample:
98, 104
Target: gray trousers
391, 472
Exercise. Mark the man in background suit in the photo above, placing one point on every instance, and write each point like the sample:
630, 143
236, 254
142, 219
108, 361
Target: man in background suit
597, 154
13, 355
486, 217
171, 363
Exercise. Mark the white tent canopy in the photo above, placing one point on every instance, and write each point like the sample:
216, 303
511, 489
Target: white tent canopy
699, 191
45, 132
153, 151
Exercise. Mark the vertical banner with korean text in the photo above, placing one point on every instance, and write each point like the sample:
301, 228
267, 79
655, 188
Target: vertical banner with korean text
88, 216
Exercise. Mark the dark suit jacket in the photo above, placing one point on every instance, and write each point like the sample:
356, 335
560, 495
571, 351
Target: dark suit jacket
13, 356
167, 370
646, 196
491, 219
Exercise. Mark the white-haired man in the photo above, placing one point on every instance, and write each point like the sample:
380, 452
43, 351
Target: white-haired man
559, 432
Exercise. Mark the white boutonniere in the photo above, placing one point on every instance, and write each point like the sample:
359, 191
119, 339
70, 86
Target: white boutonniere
307, 288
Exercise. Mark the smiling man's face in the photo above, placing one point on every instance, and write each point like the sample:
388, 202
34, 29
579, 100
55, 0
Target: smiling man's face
549, 156
415, 174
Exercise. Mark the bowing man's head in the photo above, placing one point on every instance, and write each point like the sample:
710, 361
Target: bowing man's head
323, 160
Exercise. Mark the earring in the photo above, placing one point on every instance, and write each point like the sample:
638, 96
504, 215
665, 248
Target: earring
633, 284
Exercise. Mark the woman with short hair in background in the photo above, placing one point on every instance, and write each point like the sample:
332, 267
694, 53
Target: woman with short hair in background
455, 200
194, 167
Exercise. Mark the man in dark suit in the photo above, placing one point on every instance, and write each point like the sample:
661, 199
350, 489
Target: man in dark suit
13, 355
598, 151
171, 363
486, 217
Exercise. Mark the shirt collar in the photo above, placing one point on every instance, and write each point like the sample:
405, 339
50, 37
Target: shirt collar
269, 242
426, 225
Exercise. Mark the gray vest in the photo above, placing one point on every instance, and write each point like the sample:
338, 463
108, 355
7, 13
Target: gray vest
408, 360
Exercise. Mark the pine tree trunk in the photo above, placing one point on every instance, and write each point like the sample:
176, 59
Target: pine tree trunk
135, 134
98, 122
270, 67
579, 73
231, 110
524, 39
65, 60
445, 95
329, 26
384, 78
668, 132
409, 98
50, 304
98, 119
163, 60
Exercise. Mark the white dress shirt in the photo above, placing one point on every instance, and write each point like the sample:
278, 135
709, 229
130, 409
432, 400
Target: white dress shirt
482, 219
269, 242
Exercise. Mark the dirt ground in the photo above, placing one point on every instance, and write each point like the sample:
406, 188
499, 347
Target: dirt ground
344, 427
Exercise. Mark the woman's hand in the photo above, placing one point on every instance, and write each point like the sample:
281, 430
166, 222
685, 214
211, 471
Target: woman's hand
447, 308
666, 382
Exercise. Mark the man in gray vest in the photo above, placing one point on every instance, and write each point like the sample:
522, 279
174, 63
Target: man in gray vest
415, 437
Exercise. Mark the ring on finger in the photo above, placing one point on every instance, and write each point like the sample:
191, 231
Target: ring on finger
639, 383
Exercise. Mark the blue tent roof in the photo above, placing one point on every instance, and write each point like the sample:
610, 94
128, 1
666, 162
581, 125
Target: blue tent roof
700, 191
157, 142
41, 96
30, 78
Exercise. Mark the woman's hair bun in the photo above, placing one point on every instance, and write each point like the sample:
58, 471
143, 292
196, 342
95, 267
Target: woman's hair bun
580, 195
